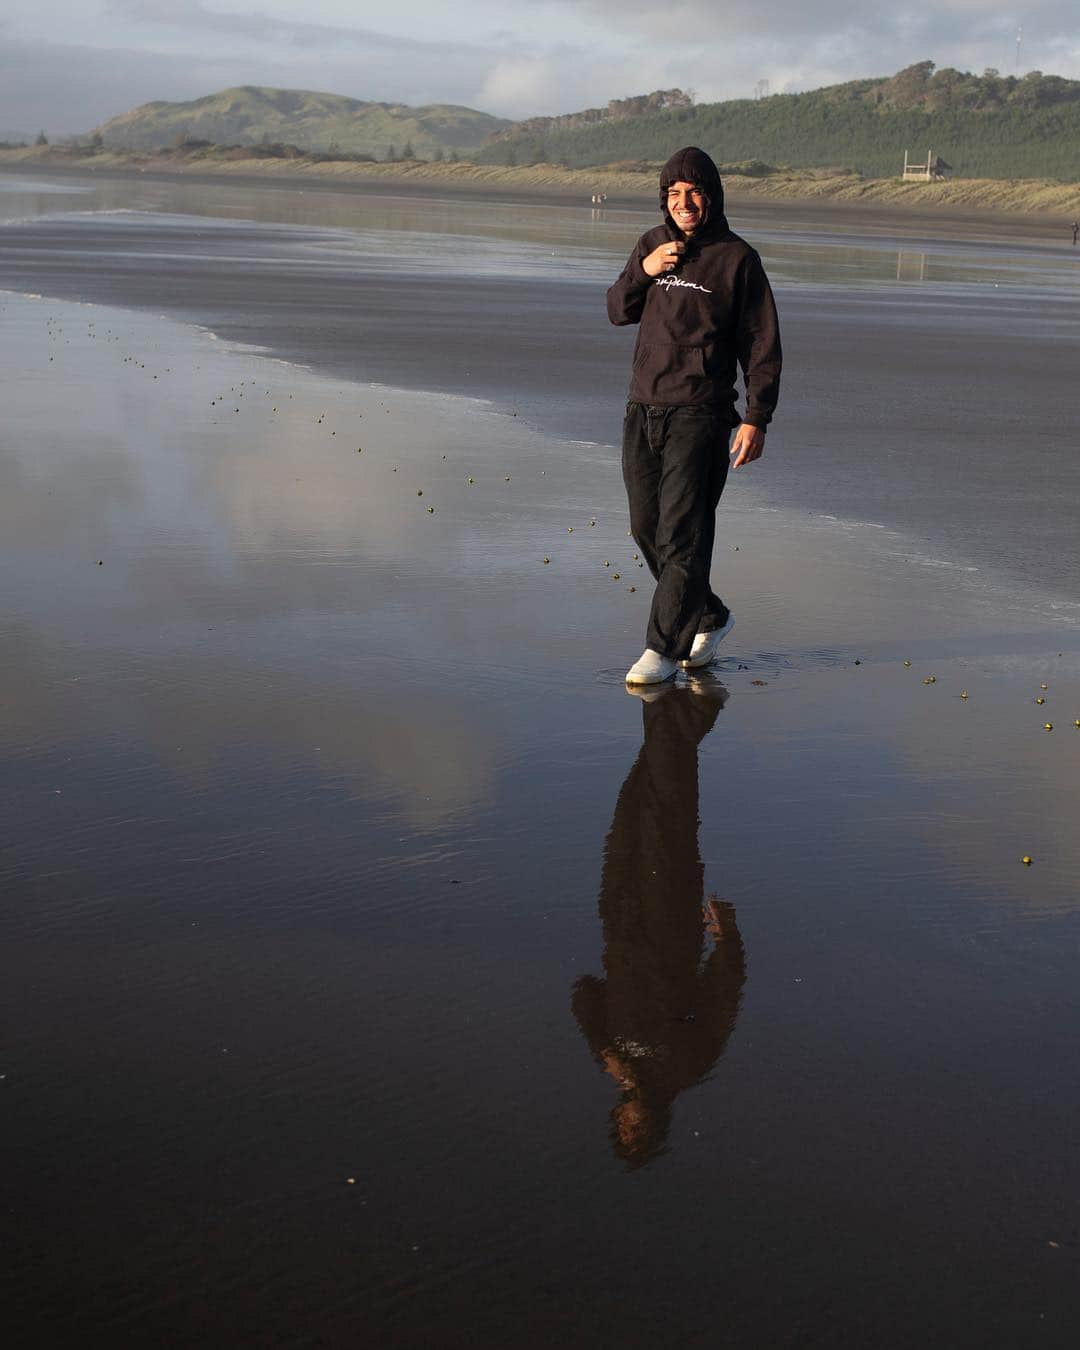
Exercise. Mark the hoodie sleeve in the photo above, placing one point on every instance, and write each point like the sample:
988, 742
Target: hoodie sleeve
757, 337
626, 299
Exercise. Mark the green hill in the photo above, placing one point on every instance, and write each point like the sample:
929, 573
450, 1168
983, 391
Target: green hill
984, 126
314, 121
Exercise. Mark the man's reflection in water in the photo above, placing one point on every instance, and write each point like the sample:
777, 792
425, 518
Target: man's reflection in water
660, 1018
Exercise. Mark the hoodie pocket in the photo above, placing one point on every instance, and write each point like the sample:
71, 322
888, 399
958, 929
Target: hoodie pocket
664, 373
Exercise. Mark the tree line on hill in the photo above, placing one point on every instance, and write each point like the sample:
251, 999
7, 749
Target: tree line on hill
616, 110
986, 125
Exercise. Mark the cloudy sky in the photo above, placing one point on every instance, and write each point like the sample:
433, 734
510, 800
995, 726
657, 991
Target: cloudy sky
66, 65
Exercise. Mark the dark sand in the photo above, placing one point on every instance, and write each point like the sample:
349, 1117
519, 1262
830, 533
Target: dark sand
363, 983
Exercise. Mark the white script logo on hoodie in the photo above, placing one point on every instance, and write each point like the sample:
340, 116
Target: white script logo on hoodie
669, 280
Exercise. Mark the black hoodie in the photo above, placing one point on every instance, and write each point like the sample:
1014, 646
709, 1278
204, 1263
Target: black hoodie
714, 310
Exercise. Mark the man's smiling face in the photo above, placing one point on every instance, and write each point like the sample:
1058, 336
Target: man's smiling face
686, 206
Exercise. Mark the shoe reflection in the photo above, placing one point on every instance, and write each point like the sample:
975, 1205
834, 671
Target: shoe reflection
674, 965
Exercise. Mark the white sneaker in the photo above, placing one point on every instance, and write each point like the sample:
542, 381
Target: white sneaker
651, 668
705, 645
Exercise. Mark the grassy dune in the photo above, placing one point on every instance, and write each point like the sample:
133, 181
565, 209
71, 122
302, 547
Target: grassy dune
1031, 196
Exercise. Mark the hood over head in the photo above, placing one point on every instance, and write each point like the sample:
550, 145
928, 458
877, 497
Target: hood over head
691, 165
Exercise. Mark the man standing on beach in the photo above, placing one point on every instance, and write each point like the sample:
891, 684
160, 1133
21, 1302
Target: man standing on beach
703, 303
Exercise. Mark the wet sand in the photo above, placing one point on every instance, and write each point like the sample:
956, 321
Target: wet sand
929, 385
382, 972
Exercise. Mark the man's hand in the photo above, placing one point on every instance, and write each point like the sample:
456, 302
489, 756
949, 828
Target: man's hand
663, 259
749, 444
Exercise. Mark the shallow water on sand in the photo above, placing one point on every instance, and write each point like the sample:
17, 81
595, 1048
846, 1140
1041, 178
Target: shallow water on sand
929, 384
381, 972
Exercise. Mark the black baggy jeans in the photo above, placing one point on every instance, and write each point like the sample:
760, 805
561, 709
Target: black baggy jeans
675, 464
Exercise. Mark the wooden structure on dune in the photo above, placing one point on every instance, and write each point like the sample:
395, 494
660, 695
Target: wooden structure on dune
934, 169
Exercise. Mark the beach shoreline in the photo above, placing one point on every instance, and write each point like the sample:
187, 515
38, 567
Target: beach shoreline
976, 208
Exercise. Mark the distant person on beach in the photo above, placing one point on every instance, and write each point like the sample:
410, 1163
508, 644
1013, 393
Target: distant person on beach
1075, 227
703, 303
